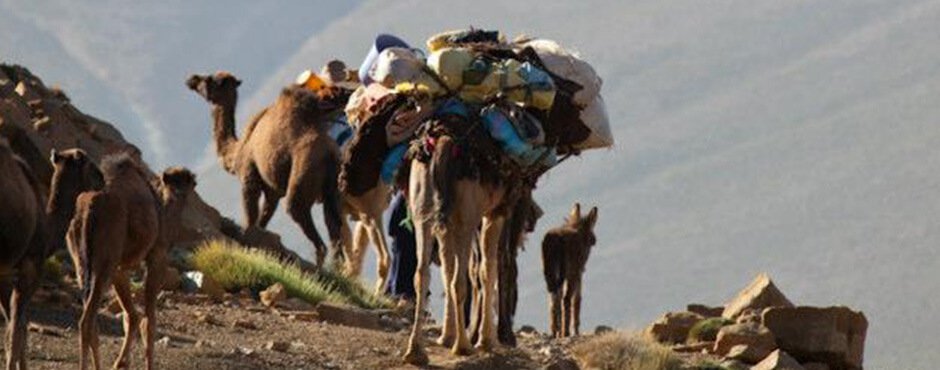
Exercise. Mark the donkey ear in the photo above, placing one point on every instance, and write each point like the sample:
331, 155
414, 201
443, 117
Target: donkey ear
575, 214
592, 217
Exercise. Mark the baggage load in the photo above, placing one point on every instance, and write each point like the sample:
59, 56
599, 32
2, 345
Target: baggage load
382, 42
501, 128
521, 83
407, 118
339, 130
460, 37
450, 64
396, 66
309, 80
569, 66
363, 102
392, 162
594, 116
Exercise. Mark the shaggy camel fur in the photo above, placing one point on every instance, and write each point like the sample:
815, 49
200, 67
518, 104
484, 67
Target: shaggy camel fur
30, 230
565, 253
452, 195
113, 230
285, 152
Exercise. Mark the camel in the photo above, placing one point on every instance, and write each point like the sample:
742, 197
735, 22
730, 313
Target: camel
284, 152
454, 194
565, 252
30, 230
113, 230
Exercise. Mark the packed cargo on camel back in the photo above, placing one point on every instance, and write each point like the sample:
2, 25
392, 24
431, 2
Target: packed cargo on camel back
507, 111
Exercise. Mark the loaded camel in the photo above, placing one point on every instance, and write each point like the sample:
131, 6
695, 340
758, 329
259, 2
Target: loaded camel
284, 152
565, 252
30, 230
113, 231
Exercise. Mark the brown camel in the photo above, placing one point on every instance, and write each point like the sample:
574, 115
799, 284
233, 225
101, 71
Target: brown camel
113, 230
453, 194
284, 152
565, 253
30, 230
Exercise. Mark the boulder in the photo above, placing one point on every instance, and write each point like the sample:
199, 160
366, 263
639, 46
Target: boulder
705, 311
673, 327
273, 295
831, 335
602, 329
277, 346
760, 293
756, 340
778, 360
348, 316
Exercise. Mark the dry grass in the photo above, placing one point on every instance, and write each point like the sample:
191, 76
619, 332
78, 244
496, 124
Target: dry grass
236, 267
625, 351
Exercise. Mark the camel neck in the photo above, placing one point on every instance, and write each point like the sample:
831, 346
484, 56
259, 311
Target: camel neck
223, 117
60, 209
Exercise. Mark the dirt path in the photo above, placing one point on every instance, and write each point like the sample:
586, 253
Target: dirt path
238, 334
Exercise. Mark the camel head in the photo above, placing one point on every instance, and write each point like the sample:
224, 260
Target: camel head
176, 183
219, 88
584, 225
74, 172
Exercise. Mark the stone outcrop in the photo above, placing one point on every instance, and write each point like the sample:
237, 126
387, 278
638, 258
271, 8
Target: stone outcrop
673, 327
753, 342
831, 335
778, 360
759, 294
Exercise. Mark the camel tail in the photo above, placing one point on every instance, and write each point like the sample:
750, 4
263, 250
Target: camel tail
332, 204
443, 179
84, 224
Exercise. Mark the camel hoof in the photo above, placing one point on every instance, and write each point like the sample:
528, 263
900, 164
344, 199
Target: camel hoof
487, 345
464, 350
416, 357
444, 341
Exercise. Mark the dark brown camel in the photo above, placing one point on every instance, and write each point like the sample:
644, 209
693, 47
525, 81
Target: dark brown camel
113, 230
30, 230
565, 252
284, 152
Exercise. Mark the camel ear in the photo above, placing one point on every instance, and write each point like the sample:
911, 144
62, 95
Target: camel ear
592, 217
575, 214
238, 82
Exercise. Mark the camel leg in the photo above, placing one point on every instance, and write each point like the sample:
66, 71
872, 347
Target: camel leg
508, 272
269, 206
299, 202
355, 251
476, 307
419, 201
156, 265
446, 256
251, 193
489, 242
377, 233
458, 285
23, 290
88, 324
122, 288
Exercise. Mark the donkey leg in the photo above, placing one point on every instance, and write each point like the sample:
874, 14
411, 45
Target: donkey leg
567, 309
489, 242
122, 287
576, 311
156, 265
6, 292
356, 250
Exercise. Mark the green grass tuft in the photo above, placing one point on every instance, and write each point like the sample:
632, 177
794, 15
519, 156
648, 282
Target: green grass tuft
707, 330
235, 267
623, 351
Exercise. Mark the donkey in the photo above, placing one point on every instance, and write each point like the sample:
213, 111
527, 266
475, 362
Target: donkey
565, 252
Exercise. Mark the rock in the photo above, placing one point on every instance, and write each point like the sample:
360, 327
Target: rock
673, 327
694, 347
195, 281
244, 324
815, 366
274, 294
831, 335
277, 346
528, 330
562, 364
348, 316
551, 351
778, 360
204, 343
205, 317
602, 329
163, 342
172, 279
705, 311
756, 340
760, 293
734, 365
307, 316
294, 304
749, 316
707, 330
